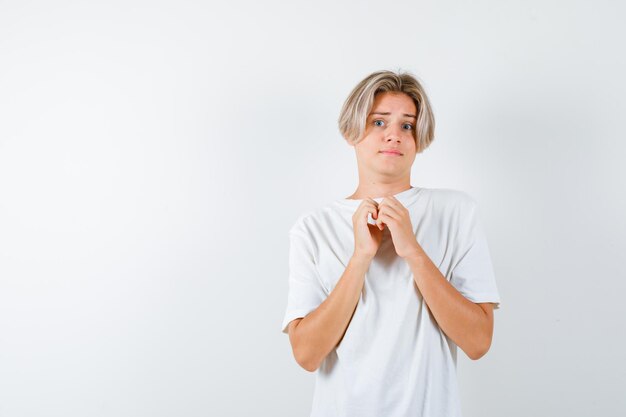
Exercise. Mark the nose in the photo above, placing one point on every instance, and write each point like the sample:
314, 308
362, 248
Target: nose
393, 133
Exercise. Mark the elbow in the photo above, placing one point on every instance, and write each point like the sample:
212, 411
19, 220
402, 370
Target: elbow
306, 357
481, 343
479, 350
309, 366
475, 355
302, 353
306, 362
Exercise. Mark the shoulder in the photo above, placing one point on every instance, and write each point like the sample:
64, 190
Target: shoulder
456, 210
303, 221
313, 219
449, 199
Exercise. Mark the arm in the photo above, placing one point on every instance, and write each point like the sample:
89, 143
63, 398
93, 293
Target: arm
468, 324
316, 335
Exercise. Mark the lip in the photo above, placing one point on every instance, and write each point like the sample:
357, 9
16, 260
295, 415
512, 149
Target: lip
391, 152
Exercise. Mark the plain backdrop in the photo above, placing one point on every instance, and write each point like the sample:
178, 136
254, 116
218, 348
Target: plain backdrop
154, 154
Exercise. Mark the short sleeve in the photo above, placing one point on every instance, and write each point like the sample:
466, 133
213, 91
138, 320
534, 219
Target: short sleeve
305, 292
473, 274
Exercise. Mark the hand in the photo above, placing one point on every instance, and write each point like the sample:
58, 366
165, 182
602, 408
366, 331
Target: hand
367, 237
393, 214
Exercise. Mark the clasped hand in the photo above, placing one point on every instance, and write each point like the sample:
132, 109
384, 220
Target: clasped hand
393, 214
388, 213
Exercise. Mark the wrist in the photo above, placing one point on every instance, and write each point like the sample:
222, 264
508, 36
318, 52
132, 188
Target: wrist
361, 258
415, 255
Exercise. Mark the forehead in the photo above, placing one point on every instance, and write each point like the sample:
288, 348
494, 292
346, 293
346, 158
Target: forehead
393, 102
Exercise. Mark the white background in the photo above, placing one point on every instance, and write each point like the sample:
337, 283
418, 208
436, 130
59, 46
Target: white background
153, 156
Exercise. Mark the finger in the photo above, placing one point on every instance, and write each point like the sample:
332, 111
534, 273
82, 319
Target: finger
391, 211
374, 204
380, 222
393, 202
364, 210
369, 202
385, 219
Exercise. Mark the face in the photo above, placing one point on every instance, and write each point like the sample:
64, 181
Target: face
388, 147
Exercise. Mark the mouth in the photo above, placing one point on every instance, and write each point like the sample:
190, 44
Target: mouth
392, 153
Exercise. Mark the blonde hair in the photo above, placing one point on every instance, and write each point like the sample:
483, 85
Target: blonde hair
357, 106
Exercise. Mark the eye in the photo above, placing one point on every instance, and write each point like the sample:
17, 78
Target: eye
410, 126
377, 120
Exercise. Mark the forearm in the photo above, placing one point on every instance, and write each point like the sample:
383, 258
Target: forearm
322, 329
460, 319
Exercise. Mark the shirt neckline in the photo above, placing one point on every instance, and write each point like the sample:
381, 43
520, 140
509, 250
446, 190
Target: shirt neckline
405, 197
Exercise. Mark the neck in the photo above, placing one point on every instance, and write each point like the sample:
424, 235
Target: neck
376, 189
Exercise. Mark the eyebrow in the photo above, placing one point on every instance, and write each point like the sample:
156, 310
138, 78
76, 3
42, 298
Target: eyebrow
388, 113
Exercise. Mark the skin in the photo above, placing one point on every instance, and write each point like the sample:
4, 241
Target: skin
468, 324
380, 174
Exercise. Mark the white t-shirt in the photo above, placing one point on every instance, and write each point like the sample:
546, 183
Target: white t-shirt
394, 360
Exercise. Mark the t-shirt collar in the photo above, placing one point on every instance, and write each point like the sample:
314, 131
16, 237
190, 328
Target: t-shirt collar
405, 197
